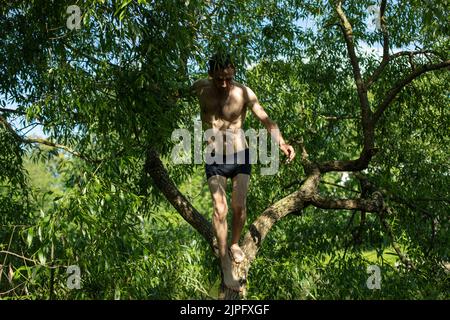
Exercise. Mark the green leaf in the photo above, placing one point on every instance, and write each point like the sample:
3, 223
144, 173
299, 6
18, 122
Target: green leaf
41, 258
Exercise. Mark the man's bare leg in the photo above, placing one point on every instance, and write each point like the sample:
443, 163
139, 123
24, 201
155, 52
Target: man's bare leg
217, 186
239, 206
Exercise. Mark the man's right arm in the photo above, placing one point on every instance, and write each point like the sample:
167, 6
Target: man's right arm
187, 92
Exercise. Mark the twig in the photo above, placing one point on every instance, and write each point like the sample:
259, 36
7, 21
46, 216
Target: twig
16, 255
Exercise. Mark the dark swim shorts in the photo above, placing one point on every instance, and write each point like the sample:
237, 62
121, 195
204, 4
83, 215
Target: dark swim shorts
230, 169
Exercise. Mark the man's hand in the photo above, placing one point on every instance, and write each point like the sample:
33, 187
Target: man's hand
289, 151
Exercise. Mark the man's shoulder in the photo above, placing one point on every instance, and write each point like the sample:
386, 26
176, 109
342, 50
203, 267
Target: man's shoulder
239, 85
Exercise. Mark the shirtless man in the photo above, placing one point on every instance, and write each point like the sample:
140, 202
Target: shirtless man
224, 104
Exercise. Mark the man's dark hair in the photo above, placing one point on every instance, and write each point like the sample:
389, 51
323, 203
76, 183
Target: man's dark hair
220, 61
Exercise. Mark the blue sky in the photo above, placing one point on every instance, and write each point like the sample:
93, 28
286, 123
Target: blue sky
303, 23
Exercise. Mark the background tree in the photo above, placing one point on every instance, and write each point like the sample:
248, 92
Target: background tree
109, 95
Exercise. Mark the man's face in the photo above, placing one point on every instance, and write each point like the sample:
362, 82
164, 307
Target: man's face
223, 79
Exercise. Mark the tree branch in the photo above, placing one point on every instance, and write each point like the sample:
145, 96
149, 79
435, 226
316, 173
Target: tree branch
54, 145
154, 167
384, 30
384, 62
349, 165
392, 93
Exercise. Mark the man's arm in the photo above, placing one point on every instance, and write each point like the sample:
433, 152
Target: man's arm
270, 125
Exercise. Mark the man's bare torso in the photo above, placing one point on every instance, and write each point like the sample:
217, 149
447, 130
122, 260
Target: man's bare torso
224, 113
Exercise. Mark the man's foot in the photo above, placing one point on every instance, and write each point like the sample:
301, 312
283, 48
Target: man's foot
236, 253
230, 280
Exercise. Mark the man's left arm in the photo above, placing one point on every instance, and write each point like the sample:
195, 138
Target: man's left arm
270, 125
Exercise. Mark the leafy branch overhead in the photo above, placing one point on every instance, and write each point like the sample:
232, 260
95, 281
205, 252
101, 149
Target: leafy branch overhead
370, 129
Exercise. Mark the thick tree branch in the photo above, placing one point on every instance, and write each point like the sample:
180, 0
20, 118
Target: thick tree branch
403, 258
23, 140
384, 62
294, 202
392, 93
154, 167
349, 40
384, 30
349, 165
6, 110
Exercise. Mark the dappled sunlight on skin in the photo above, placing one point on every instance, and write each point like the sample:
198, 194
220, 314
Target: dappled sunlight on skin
230, 279
236, 253
239, 205
96, 188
